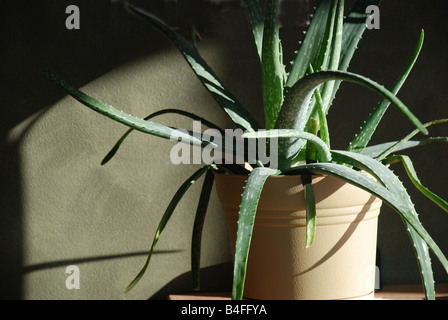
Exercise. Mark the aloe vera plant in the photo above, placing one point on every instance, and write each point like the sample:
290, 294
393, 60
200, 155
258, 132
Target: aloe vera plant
296, 103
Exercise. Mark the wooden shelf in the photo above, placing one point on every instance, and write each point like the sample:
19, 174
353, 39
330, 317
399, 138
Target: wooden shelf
392, 292
410, 292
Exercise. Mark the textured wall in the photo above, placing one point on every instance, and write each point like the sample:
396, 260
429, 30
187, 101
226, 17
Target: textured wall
60, 207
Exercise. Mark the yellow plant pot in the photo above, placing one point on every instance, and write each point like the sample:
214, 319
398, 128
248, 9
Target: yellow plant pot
341, 262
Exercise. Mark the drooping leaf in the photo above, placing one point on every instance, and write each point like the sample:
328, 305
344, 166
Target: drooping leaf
122, 117
311, 214
117, 145
424, 261
165, 219
403, 143
197, 228
246, 218
410, 170
375, 151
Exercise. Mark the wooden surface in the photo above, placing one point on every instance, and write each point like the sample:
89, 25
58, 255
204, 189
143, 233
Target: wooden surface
410, 292
393, 292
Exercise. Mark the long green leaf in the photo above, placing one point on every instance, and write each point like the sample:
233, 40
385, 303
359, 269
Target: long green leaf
246, 219
229, 103
363, 137
328, 59
399, 145
310, 149
424, 261
197, 228
117, 145
165, 219
122, 117
273, 71
376, 150
323, 123
410, 170
321, 61
257, 23
334, 54
311, 217
312, 44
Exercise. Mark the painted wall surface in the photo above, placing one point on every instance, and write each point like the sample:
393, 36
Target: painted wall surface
60, 207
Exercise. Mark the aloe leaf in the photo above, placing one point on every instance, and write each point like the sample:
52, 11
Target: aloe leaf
410, 170
257, 23
197, 228
323, 151
399, 145
248, 208
320, 62
376, 150
334, 54
311, 218
125, 118
228, 102
117, 145
165, 219
424, 261
273, 71
311, 152
328, 59
312, 43
365, 134
354, 27
295, 110
323, 123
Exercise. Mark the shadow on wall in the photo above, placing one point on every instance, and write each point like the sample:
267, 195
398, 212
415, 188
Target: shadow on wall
35, 39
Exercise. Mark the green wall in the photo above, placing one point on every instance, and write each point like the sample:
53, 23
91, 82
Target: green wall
60, 207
